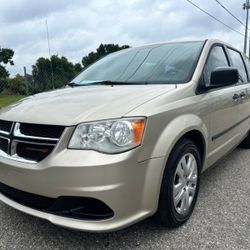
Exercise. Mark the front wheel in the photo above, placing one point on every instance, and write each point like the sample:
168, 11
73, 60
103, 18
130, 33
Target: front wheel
180, 184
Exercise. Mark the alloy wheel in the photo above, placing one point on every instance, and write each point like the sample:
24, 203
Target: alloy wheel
185, 183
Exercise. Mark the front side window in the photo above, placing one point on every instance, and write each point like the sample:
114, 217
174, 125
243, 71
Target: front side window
216, 58
238, 63
162, 63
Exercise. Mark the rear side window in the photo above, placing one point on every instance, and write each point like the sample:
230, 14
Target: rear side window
216, 58
239, 64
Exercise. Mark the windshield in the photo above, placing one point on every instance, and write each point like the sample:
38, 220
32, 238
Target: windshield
163, 63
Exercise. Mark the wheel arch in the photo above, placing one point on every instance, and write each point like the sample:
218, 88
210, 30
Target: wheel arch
197, 138
190, 126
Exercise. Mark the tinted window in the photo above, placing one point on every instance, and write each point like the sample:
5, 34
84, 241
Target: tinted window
216, 58
238, 63
162, 63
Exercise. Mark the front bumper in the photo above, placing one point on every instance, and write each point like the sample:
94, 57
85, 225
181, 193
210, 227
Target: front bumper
129, 187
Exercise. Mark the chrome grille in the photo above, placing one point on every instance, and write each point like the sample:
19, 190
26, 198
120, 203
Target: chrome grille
4, 144
28, 142
43, 131
5, 127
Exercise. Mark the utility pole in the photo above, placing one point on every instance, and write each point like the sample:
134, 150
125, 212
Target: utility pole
26, 81
51, 66
246, 7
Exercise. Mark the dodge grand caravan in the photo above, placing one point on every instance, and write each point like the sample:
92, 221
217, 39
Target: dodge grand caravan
127, 138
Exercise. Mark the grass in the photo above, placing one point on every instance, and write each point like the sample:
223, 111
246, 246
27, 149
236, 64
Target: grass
5, 100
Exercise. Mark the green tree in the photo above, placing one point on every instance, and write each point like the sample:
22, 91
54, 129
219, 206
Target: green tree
101, 51
62, 72
16, 85
6, 56
41, 73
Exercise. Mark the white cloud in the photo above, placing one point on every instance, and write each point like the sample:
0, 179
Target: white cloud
79, 26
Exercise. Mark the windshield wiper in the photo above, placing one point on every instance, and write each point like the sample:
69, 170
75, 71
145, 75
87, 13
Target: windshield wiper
105, 82
73, 84
109, 82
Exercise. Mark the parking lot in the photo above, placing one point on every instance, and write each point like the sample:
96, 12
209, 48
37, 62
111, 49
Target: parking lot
221, 220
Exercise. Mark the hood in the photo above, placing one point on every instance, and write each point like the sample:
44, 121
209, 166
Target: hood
70, 106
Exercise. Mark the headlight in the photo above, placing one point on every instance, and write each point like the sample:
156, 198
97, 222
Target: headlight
109, 136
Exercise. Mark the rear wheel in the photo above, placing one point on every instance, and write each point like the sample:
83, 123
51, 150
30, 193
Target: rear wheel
180, 184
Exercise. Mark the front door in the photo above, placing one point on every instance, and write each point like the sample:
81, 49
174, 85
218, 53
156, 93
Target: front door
224, 109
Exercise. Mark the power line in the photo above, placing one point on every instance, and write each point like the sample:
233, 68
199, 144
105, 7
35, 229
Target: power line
228, 11
215, 18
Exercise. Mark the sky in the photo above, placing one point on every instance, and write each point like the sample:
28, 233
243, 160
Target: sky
77, 27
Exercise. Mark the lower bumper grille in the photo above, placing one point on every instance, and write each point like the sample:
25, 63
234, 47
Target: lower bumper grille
84, 208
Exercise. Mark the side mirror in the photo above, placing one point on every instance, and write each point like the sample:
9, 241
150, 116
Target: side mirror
223, 76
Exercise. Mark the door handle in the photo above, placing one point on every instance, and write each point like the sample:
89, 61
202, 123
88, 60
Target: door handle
243, 96
236, 97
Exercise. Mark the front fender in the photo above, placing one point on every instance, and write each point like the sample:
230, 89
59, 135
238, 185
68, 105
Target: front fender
164, 135
162, 138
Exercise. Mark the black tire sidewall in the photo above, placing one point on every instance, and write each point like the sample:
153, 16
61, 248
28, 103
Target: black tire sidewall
167, 211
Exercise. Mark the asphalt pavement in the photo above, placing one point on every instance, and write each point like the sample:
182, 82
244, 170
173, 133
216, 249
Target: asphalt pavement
221, 220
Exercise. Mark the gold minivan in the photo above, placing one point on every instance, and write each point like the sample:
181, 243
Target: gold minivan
127, 138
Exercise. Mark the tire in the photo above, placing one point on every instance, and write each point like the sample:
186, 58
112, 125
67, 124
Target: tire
246, 142
172, 213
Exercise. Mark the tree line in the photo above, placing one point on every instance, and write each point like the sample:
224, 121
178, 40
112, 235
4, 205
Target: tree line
47, 73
